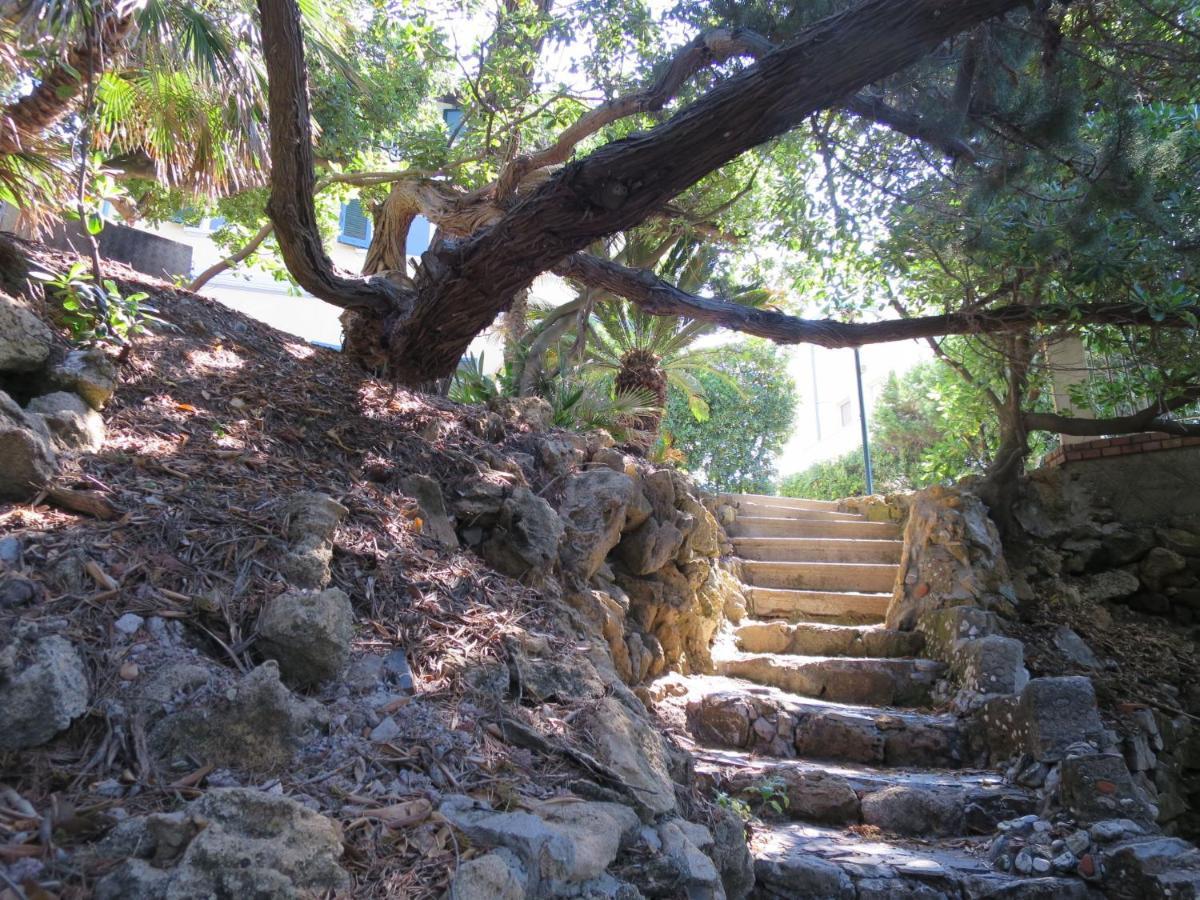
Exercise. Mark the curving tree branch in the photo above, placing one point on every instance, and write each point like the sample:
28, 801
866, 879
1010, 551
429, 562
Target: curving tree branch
1155, 417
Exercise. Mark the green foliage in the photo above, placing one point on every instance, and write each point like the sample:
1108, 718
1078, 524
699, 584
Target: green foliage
751, 404
94, 312
737, 806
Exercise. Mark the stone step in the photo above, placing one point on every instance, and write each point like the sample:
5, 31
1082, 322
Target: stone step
821, 639
738, 500
803, 549
913, 802
826, 606
821, 576
737, 715
807, 862
800, 514
773, 526
877, 682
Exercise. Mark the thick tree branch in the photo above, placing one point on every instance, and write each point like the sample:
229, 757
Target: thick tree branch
465, 285
872, 107
1153, 418
660, 298
708, 49
293, 183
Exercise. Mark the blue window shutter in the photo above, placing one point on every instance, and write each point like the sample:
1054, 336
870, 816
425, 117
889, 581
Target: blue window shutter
216, 222
419, 234
354, 226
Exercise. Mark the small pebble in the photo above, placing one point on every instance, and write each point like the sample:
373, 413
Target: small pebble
129, 623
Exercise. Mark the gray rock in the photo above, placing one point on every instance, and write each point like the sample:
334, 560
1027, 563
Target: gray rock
497, 875
1074, 648
19, 592
526, 536
1109, 830
1164, 867
990, 665
232, 842
557, 843
1111, 584
731, 855
72, 423
1058, 712
310, 519
915, 810
1158, 566
308, 633
27, 460
1124, 546
943, 628
10, 552
434, 520
385, 731
43, 688
634, 750
696, 871
598, 505
89, 373
1098, 786
804, 875
820, 797
561, 453
24, 339
129, 623
254, 723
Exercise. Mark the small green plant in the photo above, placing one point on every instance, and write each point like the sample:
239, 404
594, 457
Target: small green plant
98, 312
740, 808
770, 793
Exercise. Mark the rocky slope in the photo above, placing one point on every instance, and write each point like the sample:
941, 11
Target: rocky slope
271, 628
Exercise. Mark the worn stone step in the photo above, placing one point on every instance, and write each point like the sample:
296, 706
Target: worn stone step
779, 502
773, 526
750, 509
808, 862
879, 682
821, 576
821, 639
913, 802
826, 606
801, 549
733, 714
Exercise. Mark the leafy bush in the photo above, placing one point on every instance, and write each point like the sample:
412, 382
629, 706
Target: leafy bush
98, 312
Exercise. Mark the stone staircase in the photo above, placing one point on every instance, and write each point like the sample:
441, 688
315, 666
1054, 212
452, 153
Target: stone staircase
816, 701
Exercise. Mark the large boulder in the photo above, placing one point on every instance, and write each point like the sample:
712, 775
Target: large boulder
598, 505
43, 687
27, 460
24, 339
73, 425
526, 535
308, 633
232, 842
89, 373
1158, 568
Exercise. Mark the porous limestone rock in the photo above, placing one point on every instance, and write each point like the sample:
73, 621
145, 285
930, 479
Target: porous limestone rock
434, 520
89, 373
634, 750
598, 505
1158, 568
72, 423
308, 633
232, 842
27, 460
43, 687
952, 557
1111, 584
650, 546
24, 339
198, 712
310, 519
497, 875
526, 535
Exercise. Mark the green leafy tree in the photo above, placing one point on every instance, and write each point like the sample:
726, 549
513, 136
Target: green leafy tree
751, 403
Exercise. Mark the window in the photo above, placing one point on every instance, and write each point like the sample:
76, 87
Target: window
847, 413
354, 227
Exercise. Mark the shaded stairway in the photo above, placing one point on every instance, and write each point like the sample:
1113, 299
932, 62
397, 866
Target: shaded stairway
814, 699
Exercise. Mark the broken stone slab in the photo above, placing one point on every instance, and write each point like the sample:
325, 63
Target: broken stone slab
89, 373
43, 687
434, 520
1098, 786
1074, 648
27, 458
526, 535
877, 682
308, 633
232, 842
73, 425
25, 340
558, 843
1056, 713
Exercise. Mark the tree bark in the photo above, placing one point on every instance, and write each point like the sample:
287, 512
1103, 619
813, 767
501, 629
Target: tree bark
1153, 418
462, 286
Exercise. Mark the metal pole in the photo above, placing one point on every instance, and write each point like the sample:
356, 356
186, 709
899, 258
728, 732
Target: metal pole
862, 418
